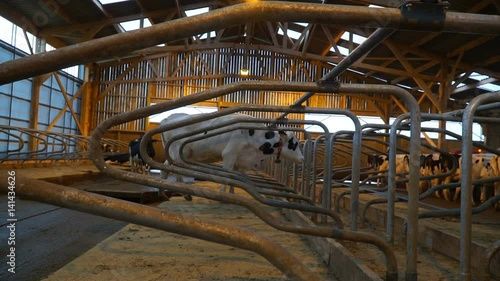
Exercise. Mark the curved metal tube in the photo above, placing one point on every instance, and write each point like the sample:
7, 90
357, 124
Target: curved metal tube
96, 154
91, 203
490, 203
204, 173
124, 43
466, 186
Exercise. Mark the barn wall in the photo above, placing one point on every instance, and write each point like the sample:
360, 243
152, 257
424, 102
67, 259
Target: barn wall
26, 104
138, 82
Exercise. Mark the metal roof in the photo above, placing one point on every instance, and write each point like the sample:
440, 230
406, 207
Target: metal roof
401, 57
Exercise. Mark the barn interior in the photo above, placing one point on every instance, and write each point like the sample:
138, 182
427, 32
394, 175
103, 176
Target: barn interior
354, 80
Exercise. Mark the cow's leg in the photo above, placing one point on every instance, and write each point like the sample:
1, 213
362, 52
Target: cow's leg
147, 169
131, 161
457, 194
497, 192
447, 191
164, 174
229, 159
437, 193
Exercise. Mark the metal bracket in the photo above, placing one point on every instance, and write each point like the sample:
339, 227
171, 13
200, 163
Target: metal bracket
430, 14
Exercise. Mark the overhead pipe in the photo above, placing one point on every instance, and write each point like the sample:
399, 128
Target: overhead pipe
124, 43
369, 44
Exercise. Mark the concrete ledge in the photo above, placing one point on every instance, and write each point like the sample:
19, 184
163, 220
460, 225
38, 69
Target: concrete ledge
345, 265
429, 236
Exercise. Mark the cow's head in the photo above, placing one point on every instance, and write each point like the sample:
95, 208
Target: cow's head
290, 147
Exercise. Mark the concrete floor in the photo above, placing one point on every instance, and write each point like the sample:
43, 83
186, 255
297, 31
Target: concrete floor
60, 244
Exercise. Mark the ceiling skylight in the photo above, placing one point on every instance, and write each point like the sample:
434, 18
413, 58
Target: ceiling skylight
291, 33
195, 12
104, 2
478, 77
343, 50
358, 39
489, 87
134, 24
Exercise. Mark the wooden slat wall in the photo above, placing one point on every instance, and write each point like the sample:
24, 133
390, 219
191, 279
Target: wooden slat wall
134, 83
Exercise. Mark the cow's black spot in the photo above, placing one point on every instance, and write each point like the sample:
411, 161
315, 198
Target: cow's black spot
269, 135
266, 148
292, 145
276, 144
251, 132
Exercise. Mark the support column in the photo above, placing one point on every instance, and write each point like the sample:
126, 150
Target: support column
444, 95
35, 96
492, 134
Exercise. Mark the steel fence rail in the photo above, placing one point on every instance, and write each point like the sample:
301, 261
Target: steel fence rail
95, 204
96, 154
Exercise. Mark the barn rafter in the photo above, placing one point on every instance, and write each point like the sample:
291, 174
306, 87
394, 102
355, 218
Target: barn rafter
416, 60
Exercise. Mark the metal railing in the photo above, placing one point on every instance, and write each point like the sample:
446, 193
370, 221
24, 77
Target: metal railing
23, 145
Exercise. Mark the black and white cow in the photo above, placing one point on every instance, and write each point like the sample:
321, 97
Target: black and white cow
495, 172
239, 150
136, 162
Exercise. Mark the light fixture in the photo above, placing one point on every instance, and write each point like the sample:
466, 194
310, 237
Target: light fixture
244, 71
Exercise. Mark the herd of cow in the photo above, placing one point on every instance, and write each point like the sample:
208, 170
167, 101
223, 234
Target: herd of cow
441, 169
245, 149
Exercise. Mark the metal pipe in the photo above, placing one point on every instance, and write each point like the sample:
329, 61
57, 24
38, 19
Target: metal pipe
96, 154
207, 174
391, 193
356, 163
466, 186
456, 212
95, 204
369, 44
412, 231
124, 43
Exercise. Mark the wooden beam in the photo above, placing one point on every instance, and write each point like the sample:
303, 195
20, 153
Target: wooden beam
120, 77
34, 106
13, 15
427, 91
86, 107
272, 33
475, 85
333, 41
68, 105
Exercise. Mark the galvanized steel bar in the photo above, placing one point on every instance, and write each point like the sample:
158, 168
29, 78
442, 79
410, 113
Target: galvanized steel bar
391, 192
369, 44
209, 175
356, 163
96, 154
95, 204
124, 43
466, 185
219, 174
490, 203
